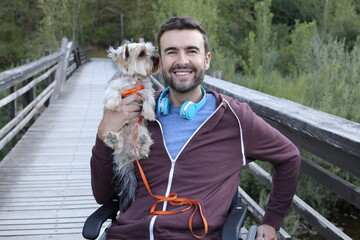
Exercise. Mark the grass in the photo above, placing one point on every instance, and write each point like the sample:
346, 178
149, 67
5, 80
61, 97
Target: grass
96, 52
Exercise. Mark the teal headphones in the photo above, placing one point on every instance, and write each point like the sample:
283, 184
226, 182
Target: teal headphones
188, 110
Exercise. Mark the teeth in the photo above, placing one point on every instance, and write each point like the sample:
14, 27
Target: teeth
182, 73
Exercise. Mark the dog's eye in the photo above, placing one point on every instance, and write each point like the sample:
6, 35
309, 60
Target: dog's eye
142, 54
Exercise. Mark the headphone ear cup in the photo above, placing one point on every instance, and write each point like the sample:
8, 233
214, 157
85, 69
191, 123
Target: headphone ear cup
164, 106
163, 103
188, 110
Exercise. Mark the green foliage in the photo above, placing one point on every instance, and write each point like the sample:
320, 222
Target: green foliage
50, 32
314, 70
141, 21
15, 26
235, 21
61, 20
285, 12
343, 21
262, 52
301, 47
318, 71
202, 10
322, 200
336, 74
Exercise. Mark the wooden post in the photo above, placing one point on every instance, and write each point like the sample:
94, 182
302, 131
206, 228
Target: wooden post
51, 77
13, 104
31, 94
61, 70
48, 80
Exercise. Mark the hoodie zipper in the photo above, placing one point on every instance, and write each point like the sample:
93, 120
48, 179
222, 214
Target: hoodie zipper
172, 169
173, 161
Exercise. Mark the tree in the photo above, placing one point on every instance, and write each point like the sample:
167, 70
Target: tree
18, 20
286, 12
262, 51
301, 48
343, 22
61, 20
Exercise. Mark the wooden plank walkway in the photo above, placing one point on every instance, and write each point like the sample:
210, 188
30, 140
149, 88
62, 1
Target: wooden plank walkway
45, 190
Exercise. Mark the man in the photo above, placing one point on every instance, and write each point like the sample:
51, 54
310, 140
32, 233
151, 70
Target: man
201, 142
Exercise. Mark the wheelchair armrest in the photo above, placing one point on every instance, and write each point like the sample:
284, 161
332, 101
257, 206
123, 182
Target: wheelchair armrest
94, 222
251, 235
234, 222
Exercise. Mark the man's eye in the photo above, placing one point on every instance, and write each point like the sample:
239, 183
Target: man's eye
171, 52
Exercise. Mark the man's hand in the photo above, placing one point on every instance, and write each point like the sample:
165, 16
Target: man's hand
266, 232
129, 108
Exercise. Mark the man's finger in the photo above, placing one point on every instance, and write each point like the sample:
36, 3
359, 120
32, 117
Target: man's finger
131, 98
132, 108
260, 234
266, 232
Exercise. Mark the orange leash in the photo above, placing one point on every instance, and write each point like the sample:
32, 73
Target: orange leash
133, 91
173, 199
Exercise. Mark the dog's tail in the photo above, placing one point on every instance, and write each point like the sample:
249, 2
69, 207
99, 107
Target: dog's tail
126, 186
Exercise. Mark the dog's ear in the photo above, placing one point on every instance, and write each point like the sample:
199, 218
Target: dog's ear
156, 62
113, 54
121, 53
127, 54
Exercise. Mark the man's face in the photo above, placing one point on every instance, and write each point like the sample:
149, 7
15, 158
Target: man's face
183, 59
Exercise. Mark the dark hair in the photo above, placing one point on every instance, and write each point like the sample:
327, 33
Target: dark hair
183, 23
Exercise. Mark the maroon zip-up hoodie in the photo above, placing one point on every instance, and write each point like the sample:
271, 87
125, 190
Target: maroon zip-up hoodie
207, 170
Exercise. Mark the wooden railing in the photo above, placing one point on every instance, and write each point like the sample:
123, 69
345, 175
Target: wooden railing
26, 89
335, 140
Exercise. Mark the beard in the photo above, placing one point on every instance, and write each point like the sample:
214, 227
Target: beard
182, 88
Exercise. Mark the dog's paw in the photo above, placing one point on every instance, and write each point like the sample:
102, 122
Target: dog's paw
112, 96
148, 114
111, 139
112, 107
143, 144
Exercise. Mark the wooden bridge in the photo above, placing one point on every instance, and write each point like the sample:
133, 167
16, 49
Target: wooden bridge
45, 190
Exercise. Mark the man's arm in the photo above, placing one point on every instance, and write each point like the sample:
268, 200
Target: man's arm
102, 172
102, 156
263, 142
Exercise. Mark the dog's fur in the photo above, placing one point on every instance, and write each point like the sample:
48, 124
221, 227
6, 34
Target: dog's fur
136, 62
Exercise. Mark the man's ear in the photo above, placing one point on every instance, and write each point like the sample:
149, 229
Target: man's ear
160, 64
207, 60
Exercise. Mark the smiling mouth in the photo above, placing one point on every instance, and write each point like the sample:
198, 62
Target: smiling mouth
182, 73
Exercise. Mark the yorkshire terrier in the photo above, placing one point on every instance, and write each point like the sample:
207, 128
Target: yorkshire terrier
136, 62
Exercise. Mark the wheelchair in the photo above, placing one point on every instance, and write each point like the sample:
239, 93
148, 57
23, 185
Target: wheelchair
230, 231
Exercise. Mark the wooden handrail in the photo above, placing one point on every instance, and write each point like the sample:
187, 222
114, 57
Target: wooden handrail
334, 139
19, 74
26, 77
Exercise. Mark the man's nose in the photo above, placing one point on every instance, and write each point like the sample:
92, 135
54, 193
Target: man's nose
182, 59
